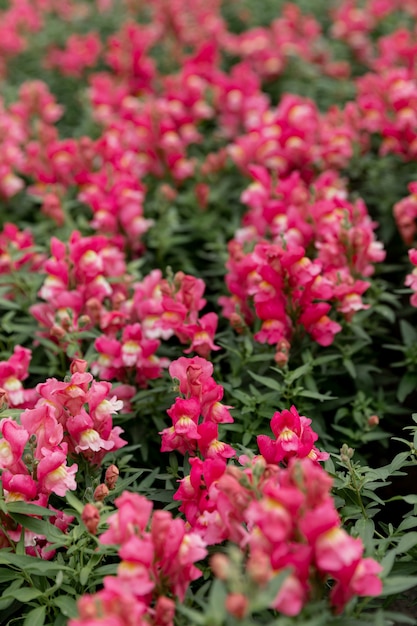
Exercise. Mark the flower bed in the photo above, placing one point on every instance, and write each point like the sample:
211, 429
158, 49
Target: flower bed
208, 282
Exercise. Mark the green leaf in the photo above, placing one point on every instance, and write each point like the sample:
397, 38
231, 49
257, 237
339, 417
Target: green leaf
25, 508
67, 605
407, 384
366, 529
408, 333
24, 595
388, 562
74, 502
265, 597
216, 607
350, 367
315, 395
40, 527
196, 618
410, 499
31, 564
409, 522
36, 617
267, 382
398, 584
407, 542
297, 373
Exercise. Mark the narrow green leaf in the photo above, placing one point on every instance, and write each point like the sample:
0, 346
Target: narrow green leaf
407, 542
266, 596
408, 333
266, 381
25, 595
398, 584
74, 502
315, 395
407, 384
36, 617
297, 373
67, 605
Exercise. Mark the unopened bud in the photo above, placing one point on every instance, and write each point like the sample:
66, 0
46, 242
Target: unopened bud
164, 611
78, 366
259, 568
346, 453
111, 476
4, 403
101, 492
220, 565
237, 605
373, 420
91, 518
84, 320
237, 322
57, 331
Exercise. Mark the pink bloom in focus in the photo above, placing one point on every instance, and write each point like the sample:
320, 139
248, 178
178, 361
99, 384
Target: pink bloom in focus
53, 473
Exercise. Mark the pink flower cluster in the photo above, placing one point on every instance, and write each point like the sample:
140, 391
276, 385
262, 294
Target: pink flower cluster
301, 250
87, 285
210, 499
69, 419
157, 564
12, 373
202, 399
293, 34
289, 520
411, 279
80, 52
158, 308
294, 136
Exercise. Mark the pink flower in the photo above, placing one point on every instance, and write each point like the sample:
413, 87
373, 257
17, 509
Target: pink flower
132, 516
53, 473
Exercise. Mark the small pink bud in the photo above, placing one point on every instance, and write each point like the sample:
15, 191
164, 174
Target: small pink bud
3, 399
220, 564
58, 331
237, 322
101, 492
237, 605
373, 420
164, 611
111, 476
91, 518
78, 365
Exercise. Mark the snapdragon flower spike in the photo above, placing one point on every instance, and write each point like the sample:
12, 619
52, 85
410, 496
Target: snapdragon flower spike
294, 437
411, 279
203, 397
157, 559
299, 252
283, 518
12, 373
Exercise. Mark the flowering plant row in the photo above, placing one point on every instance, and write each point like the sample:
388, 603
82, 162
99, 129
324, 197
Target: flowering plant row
208, 252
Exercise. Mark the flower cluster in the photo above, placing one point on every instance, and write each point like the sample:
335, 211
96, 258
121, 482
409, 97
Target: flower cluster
210, 497
290, 522
202, 399
69, 419
157, 563
300, 251
87, 285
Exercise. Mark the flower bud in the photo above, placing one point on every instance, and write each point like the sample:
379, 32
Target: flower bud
237, 322
373, 420
111, 476
101, 492
220, 565
164, 611
91, 518
57, 331
78, 365
237, 605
